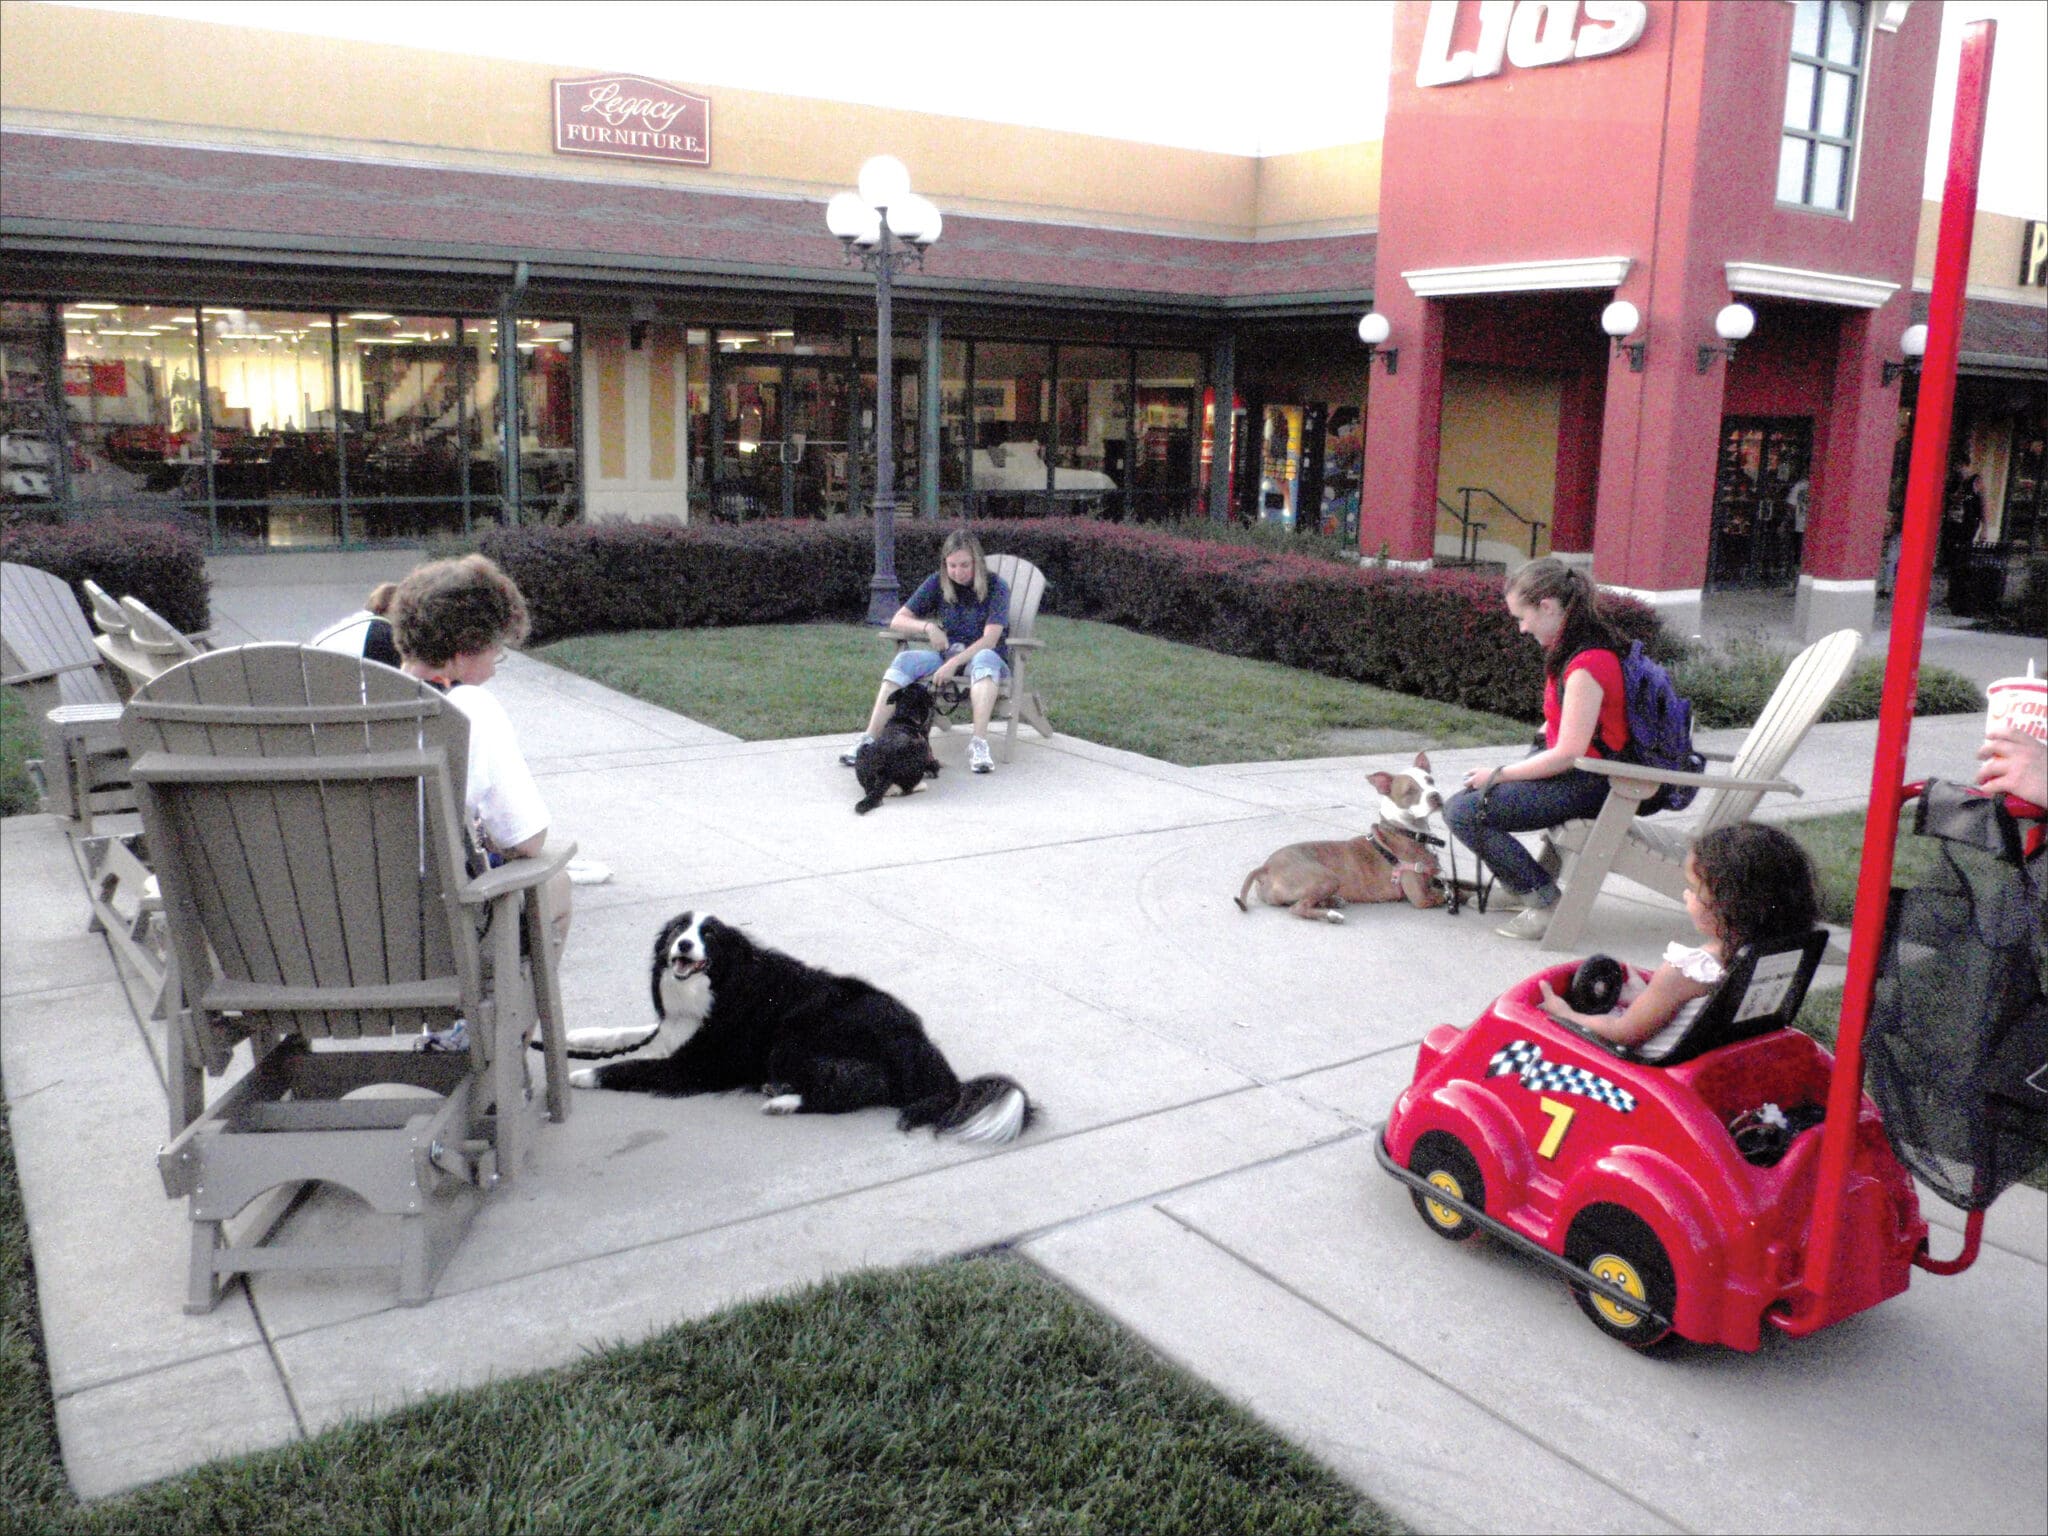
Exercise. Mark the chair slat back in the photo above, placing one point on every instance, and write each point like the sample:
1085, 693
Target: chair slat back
1027, 587
1802, 693
304, 815
154, 634
43, 630
107, 616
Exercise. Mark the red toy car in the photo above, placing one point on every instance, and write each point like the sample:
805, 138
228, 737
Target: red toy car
1671, 1198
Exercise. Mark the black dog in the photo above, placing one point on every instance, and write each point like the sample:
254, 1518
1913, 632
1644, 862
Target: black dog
737, 1015
901, 757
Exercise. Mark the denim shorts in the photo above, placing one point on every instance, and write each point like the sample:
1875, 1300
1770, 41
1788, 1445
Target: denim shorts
910, 666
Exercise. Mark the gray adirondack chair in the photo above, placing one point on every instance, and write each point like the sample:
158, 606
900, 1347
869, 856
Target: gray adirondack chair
1617, 842
305, 814
1018, 700
46, 651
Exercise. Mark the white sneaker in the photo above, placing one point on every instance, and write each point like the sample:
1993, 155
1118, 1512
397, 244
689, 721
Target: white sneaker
978, 759
852, 753
1531, 923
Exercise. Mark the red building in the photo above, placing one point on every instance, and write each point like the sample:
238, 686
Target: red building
1543, 160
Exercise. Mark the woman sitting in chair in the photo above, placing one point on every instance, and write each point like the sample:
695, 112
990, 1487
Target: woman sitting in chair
1585, 714
962, 612
1746, 884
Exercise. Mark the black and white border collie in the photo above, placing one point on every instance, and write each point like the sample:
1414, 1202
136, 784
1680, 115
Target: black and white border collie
735, 1014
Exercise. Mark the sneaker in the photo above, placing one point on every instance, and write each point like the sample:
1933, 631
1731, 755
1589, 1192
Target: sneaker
978, 759
1531, 924
852, 755
454, 1038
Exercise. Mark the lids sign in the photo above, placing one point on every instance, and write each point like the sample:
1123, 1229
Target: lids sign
630, 118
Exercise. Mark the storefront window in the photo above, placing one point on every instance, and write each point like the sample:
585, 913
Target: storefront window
1168, 409
132, 404
547, 421
1092, 419
32, 469
1012, 388
1818, 146
955, 430
282, 427
269, 378
908, 377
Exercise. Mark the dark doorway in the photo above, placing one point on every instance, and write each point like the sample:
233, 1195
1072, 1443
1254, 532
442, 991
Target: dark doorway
1760, 498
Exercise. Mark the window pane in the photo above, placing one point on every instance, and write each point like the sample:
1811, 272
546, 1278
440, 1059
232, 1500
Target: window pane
131, 393
1838, 96
547, 422
1169, 395
405, 379
31, 437
1806, 28
1010, 431
270, 376
1792, 170
954, 433
1845, 32
1799, 96
1094, 399
1829, 163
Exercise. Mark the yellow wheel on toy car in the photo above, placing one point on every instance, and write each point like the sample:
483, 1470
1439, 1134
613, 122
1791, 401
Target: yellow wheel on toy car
1441, 1161
1617, 1246
1616, 1270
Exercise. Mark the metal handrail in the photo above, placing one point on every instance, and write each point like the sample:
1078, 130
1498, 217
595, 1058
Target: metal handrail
1533, 524
1469, 529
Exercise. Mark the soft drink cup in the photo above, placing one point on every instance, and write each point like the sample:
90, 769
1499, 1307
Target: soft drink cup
2019, 704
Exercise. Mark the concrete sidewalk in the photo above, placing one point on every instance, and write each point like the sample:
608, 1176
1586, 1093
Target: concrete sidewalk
1203, 1172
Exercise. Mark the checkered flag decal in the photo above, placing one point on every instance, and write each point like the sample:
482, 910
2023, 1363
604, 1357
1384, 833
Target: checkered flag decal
1524, 1058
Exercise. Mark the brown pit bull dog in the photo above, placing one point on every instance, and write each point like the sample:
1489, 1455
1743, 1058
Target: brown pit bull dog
1389, 863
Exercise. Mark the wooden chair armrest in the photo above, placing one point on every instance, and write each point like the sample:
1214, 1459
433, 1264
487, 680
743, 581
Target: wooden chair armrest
517, 874
1023, 645
46, 672
1715, 757
1623, 771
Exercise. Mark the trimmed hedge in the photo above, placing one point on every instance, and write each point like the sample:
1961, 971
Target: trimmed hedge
163, 566
1441, 635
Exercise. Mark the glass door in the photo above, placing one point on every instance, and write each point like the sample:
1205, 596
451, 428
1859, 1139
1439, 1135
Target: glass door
1760, 494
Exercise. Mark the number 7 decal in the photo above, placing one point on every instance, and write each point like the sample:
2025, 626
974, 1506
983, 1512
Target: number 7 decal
1560, 1122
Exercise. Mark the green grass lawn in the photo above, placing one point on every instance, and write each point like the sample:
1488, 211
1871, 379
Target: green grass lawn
1175, 702
969, 1397
18, 743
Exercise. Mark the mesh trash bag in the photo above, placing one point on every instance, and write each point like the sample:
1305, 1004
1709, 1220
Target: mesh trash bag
1957, 1042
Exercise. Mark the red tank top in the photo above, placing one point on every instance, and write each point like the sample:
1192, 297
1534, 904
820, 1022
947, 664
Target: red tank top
1610, 734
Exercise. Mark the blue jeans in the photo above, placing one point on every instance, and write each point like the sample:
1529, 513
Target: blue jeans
1523, 805
911, 666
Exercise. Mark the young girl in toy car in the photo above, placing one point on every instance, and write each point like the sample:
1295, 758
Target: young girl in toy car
1747, 884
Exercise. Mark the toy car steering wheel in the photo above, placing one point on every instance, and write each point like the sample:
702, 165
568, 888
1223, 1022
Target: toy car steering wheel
1596, 984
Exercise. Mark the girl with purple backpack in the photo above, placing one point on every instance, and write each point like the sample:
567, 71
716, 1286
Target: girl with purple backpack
1585, 714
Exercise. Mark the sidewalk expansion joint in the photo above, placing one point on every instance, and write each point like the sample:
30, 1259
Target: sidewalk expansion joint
1419, 1368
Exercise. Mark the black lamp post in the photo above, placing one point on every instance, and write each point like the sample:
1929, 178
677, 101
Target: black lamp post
863, 222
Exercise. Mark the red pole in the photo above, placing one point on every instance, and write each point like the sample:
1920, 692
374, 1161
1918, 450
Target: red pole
1935, 415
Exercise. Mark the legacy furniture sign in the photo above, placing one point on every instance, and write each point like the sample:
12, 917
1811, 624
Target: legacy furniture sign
630, 118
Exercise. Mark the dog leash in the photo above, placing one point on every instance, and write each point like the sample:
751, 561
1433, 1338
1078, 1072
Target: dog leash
1482, 879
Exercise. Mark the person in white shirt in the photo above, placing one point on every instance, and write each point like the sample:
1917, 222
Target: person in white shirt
453, 621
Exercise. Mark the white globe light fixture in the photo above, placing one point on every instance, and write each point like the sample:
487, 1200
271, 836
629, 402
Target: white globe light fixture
884, 182
1912, 347
1375, 330
1732, 324
885, 227
1619, 320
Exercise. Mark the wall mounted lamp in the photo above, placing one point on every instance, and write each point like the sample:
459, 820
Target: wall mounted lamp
1374, 330
1733, 325
1913, 346
636, 327
1619, 320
